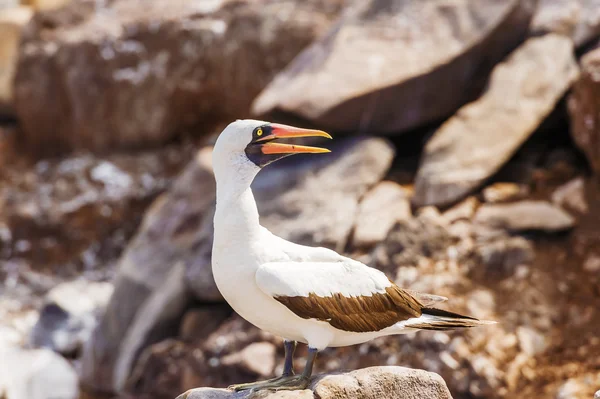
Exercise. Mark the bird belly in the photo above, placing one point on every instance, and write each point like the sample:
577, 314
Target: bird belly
250, 302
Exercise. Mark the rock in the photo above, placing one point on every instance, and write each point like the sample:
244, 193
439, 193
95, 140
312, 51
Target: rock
257, 358
311, 202
571, 389
464, 210
47, 4
411, 241
12, 21
383, 206
578, 19
389, 66
93, 203
369, 383
150, 293
532, 343
571, 195
199, 323
503, 192
584, 109
36, 374
69, 315
133, 76
525, 215
169, 259
501, 255
592, 264
162, 368
473, 144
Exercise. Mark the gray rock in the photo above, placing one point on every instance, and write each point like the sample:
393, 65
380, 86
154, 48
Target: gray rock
473, 144
392, 65
584, 109
369, 383
524, 215
383, 206
578, 19
38, 373
501, 255
69, 315
133, 76
411, 241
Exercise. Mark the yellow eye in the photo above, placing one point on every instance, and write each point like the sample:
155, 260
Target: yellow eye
259, 132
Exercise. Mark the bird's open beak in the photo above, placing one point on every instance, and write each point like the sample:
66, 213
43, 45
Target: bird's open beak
279, 131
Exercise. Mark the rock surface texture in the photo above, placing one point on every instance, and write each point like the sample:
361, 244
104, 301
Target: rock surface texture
369, 383
473, 144
584, 109
392, 65
36, 374
12, 21
525, 215
154, 71
578, 19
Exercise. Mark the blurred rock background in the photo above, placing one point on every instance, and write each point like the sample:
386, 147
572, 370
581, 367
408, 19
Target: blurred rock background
466, 163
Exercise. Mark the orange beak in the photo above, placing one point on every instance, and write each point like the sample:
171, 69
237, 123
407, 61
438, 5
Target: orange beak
279, 131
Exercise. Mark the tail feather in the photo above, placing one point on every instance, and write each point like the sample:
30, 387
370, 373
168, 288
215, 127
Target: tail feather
438, 319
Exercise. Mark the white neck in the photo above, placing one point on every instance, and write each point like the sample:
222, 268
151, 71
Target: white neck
236, 215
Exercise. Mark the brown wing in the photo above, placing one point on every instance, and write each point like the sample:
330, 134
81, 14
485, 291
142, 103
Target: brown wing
359, 313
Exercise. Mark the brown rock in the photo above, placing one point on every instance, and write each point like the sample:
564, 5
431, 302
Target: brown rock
12, 21
524, 215
65, 215
129, 76
370, 383
571, 195
584, 109
199, 323
503, 192
392, 65
46, 4
257, 358
483, 135
464, 210
383, 206
578, 19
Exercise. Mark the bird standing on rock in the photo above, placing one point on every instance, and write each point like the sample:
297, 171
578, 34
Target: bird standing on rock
302, 294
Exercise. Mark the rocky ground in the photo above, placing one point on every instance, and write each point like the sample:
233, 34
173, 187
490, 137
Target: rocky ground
465, 164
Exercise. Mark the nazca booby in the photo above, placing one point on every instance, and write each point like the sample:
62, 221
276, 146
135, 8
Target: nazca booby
302, 294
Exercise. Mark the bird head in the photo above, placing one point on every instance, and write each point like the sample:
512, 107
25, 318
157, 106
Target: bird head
260, 142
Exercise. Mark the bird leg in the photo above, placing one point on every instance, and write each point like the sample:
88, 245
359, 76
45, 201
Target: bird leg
288, 369
293, 382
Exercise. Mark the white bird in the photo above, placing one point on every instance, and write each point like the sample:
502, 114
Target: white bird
302, 294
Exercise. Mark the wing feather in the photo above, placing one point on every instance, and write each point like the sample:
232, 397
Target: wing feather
347, 294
